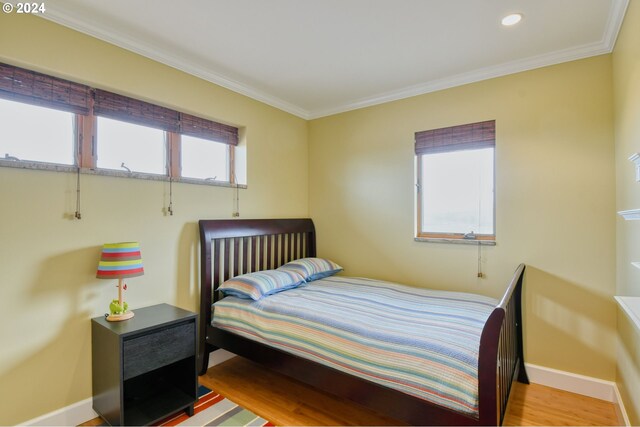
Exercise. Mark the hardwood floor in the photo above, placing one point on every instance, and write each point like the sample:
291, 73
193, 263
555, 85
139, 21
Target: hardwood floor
537, 405
284, 401
287, 402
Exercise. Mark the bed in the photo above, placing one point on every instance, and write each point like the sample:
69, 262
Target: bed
230, 248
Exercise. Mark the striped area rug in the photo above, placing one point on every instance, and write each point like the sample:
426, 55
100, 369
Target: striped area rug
212, 409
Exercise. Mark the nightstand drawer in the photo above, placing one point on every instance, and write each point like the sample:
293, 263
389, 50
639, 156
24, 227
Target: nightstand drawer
158, 348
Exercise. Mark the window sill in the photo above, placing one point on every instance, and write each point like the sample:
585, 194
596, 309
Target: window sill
630, 214
33, 165
42, 166
456, 241
631, 307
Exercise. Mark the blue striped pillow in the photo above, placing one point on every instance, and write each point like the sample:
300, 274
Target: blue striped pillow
312, 268
261, 283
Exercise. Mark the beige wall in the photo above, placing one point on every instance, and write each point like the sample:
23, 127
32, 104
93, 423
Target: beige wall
554, 200
48, 261
626, 84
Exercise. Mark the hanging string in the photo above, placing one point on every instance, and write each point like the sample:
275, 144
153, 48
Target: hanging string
170, 208
236, 202
77, 214
480, 273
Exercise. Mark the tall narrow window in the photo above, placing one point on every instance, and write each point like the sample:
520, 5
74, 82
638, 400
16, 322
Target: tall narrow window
455, 188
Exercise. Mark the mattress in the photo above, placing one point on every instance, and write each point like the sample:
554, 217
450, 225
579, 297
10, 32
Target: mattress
422, 342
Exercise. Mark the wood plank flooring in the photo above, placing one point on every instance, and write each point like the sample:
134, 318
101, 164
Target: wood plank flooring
287, 402
538, 405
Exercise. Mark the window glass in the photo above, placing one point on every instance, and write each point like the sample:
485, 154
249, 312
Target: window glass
204, 159
458, 192
33, 133
129, 147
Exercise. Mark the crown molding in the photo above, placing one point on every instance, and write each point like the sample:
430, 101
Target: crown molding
474, 76
614, 23
602, 47
606, 45
129, 43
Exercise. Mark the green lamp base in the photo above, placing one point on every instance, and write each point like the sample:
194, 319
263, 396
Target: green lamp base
120, 317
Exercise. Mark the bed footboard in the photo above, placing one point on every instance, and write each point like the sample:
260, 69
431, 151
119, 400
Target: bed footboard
501, 359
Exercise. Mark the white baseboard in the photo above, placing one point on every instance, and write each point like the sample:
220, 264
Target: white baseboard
579, 384
71, 415
575, 383
620, 409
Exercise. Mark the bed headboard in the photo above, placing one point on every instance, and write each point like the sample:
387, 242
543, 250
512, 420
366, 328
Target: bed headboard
230, 247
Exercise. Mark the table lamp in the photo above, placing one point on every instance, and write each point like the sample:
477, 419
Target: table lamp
119, 261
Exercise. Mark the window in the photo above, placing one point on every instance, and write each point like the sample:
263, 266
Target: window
51, 123
204, 159
33, 133
38, 117
130, 147
455, 183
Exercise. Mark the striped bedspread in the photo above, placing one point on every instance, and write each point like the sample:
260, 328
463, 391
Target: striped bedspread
422, 342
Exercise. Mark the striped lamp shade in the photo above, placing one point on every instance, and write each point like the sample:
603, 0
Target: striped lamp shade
120, 260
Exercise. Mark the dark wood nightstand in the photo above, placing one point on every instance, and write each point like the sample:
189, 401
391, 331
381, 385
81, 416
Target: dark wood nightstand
144, 368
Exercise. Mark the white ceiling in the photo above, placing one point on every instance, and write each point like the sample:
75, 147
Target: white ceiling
314, 58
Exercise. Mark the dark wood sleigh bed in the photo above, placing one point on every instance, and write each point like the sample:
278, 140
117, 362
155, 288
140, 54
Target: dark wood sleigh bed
233, 247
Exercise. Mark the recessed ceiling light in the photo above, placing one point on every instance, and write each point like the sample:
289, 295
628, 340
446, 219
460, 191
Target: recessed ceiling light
512, 19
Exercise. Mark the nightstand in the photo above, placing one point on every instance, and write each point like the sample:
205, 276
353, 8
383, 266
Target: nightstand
144, 368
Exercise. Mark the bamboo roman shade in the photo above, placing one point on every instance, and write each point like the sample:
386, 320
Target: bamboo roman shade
207, 129
119, 107
18, 84
455, 138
